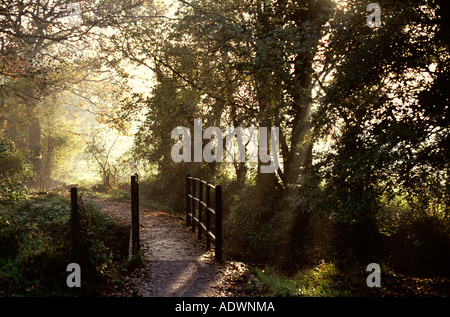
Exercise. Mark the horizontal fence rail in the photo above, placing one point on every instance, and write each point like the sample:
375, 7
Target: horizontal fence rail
199, 211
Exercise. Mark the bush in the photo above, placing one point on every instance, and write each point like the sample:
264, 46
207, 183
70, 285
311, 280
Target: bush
322, 280
35, 248
256, 225
165, 191
14, 170
419, 244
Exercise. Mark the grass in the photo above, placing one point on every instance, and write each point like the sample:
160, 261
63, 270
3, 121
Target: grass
317, 282
324, 280
122, 193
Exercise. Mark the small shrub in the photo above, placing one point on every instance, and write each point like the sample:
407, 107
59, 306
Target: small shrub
35, 248
251, 226
14, 170
323, 280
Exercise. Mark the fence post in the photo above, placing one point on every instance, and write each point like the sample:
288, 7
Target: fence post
134, 214
218, 250
200, 210
208, 216
188, 201
193, 205
75, 226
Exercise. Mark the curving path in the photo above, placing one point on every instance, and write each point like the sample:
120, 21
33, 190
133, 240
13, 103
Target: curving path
176, 265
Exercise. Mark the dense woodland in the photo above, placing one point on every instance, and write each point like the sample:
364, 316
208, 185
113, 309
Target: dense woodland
362, 111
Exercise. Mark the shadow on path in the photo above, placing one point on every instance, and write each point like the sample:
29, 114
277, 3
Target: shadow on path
176, 265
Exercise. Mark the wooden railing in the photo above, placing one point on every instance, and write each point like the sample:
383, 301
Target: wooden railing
75, 222
201, 201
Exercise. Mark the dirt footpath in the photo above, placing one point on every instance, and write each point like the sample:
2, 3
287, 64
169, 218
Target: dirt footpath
176, 264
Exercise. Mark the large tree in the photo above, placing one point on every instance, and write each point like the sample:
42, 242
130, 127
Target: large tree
385, 114
45, 49
251, 61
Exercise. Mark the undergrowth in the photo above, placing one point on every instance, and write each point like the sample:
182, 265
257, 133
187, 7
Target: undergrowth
35, 248
324, 280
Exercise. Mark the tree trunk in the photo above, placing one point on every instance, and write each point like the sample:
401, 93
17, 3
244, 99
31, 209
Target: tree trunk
34, 145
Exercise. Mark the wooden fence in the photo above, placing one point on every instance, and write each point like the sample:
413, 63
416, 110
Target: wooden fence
75, 228
75, 223
201, 201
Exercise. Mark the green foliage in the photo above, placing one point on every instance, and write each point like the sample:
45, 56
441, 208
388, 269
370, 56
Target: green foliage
14, 171
59, 145
99, 153
415, 240
323, 280
122, 193
35, 248
277, 286
257, 228
390, 109
382, 109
